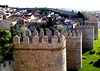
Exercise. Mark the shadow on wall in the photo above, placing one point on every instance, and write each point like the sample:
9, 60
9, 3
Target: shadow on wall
84, 50
97, 64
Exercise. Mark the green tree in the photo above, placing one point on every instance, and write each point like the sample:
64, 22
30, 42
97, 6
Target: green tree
38, 29
53, 30
5, 41
44, 26
50, 22
6, 6
15, 32
46, 13
80, 15
60, 28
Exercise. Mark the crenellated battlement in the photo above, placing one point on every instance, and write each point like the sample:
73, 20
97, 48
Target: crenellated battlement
84, 27
44, 53
74, 49
41, 34
91, 21
7, 66
52, 51
73, 34
96, 27
87, 35
41, 41
46, 42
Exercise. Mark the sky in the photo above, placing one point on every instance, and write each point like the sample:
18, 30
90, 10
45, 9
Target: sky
72, 4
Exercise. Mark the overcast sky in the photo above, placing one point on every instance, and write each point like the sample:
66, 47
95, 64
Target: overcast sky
74, 4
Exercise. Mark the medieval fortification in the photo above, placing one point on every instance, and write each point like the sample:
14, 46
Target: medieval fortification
39, 52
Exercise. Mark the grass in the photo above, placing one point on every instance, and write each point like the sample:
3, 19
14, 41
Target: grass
96, 57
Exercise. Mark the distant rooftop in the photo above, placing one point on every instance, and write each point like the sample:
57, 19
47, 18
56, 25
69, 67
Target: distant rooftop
90, 17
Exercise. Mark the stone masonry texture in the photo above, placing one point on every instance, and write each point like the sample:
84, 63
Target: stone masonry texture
38, 56
87, 36
96, 28
92, 20
7, 66
74, 50
62, 53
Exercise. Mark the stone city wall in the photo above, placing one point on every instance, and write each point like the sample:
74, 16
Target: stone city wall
87, 36
96, 27
40, 56
7, 66
74, 49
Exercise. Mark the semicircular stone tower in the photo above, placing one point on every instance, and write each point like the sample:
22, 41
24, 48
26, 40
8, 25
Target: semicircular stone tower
74, 50
47, 55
